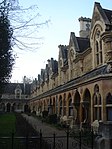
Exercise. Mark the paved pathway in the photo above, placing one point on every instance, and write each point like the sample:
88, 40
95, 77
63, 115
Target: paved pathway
48, 131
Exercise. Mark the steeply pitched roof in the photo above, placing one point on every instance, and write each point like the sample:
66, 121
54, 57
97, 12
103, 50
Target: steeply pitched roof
108, 14
99, 12
10, 88
79, 43
64, 54
83, 43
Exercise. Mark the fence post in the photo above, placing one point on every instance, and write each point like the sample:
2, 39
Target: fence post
92, 137
67, 138
26, 141
12, 143
80, 139
40, 139
54, 136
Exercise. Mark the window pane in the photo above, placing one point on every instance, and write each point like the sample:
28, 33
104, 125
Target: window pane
97, 59
97, 49
95, 113
100, 116
101, 59
109, 113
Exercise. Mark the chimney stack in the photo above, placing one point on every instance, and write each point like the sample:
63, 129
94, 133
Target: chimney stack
85, 26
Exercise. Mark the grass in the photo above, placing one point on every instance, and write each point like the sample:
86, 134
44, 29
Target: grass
7, 124
16, 123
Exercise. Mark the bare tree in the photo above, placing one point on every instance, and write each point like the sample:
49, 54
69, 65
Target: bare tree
26, 23
17, 26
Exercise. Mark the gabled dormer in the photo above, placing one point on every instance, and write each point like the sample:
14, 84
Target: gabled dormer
18, 92
77, 45
63, 57
101, 26
34, 85
73, 47
47, 73
53, 68
38, 81
42, 77
100, 16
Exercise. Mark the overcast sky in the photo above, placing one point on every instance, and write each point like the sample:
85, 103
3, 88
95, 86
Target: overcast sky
63, 15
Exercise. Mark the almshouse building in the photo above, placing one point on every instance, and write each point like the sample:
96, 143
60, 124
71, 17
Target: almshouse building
78, 87
15, 97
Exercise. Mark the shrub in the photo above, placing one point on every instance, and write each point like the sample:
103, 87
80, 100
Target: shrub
44, 114
52, 119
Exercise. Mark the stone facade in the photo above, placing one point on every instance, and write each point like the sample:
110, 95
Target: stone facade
15, 98
78, 86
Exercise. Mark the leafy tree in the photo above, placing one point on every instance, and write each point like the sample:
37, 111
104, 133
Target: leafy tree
6, 54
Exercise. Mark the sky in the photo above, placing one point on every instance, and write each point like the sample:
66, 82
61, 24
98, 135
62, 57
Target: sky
63, 16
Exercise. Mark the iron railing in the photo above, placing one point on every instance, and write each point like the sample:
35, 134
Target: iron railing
71, 140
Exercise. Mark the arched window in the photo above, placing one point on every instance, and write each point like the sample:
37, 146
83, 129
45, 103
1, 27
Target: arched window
76, 103
18, 92
60, 105
109, 107
97, 104
98, 48
100, 100
56, 104
64, 106
97, 53
95, 100
109, 99
70, 107
86, 103
96, 88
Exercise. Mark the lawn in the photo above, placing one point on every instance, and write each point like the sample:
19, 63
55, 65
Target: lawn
7, 124
15, 123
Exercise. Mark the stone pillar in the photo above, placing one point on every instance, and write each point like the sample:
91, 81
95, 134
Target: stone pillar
107, 40
80, 111
105, 141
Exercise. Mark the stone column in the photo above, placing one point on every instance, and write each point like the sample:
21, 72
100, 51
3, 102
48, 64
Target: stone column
105, 141
107, 40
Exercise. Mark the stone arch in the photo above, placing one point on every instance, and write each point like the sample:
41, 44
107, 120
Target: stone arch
44, 104
69, 105
19, 107
96, 88
26, 108
50, 105
64, 104
97, 104
40, 106
2, 107
86, 106
76, 103
56, 102
60, 106
97, 40
8, 105
54, 105
13, 107
109, 98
